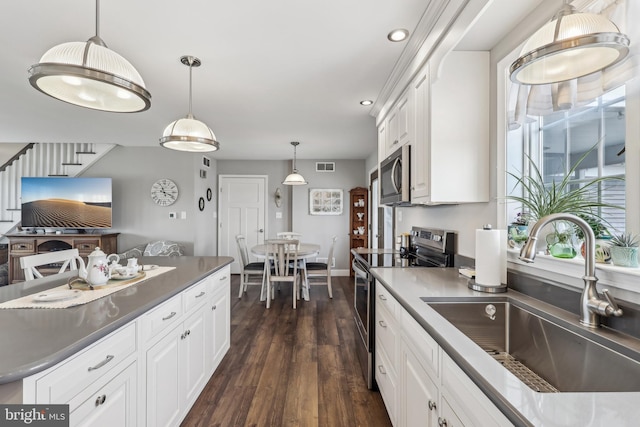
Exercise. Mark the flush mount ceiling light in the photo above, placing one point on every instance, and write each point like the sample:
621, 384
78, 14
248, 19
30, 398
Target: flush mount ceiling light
398, 35
294, 178
571, 45
189, 134
366, 102
90, 75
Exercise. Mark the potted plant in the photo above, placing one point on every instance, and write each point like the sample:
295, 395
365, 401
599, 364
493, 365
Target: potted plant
564, 196
518, 230
624, 250
603, 238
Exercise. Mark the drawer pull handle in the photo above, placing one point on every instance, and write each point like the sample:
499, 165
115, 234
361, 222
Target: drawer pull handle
223, 278
108, 359
382, 297
381, 369
201, 294
173, 313
381, 323
442, 422
432, 405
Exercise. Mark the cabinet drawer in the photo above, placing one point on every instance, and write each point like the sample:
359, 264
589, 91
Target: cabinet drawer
75, 374
219, 280
86, 246
386, 300
195, 295
386, 334
387, 383
425, 347
162, 317
22, 246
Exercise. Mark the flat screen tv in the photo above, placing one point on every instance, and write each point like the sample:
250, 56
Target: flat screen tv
66, 203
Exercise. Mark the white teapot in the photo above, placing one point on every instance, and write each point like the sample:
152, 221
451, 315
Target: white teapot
98, 271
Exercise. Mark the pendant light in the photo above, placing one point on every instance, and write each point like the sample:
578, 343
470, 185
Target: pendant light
571, 45
294, 178
189, 134
90, 75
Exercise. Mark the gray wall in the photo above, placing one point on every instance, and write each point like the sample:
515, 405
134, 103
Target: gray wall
320, 228
138, 218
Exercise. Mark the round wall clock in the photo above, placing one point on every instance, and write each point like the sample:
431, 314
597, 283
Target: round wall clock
164, 192
209, 194
201, 204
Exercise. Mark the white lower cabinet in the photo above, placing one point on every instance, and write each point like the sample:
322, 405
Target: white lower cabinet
176, 371
431, 390
151, 370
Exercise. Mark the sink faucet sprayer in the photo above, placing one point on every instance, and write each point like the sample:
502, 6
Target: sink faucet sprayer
592, 306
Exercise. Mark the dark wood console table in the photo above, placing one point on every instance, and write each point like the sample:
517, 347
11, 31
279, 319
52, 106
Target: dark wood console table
23, 244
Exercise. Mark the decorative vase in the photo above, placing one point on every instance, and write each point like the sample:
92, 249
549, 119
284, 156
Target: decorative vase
560, 242
624, 256
517, 235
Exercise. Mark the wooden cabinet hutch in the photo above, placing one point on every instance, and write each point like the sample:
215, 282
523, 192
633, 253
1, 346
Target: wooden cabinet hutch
358, 220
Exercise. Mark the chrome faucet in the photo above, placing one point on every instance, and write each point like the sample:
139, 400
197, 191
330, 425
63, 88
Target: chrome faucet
592, 306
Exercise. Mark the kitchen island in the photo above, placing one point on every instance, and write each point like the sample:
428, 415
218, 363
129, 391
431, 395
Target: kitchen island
153, 345
513, 401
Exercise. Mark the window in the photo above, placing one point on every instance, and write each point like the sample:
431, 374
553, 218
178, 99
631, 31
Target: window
556, 141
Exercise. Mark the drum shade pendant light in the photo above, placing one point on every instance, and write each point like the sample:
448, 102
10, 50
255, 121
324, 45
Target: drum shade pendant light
294, 178
571, 45
90, 75
189, 134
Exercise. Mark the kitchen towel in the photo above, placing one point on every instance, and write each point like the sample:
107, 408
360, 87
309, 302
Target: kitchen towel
491, 257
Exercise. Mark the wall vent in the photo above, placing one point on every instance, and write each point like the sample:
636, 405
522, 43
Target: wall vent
325, 166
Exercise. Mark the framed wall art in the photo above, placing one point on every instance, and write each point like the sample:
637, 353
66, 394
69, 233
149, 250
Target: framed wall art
325, 201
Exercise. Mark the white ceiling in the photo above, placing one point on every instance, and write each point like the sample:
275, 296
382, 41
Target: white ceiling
272, 71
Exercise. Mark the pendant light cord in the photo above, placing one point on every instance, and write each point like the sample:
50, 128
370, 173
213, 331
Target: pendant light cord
98, 18
190, 84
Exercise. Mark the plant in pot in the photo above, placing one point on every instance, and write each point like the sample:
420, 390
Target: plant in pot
540, 199
603, 238
518, 230
624, 249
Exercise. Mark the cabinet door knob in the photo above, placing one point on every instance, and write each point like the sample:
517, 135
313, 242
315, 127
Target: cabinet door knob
381, 323
432, 405
382, 297
381, 369
213, 307
442, 422
101, 399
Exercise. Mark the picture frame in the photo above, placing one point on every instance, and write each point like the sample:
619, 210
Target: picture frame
326, 201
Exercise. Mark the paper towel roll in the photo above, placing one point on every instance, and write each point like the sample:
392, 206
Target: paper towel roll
491, 262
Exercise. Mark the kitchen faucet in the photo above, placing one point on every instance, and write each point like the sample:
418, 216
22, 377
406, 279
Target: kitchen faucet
592, 306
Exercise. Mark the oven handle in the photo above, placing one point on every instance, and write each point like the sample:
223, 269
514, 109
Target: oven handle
360, 269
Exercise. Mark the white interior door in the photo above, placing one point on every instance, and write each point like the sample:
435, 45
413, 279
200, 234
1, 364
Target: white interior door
241, 210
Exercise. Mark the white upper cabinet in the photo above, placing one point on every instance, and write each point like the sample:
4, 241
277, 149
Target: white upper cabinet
450, 150
397, 129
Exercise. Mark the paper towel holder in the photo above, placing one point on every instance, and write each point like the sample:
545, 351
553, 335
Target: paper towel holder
472, 284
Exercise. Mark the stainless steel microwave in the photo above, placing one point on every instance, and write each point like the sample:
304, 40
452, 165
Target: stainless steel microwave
395, 188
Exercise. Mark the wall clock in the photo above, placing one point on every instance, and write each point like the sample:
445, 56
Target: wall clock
164, 192
201, 204
209, 194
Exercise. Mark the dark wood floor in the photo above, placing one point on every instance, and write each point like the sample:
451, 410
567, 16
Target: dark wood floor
290, 367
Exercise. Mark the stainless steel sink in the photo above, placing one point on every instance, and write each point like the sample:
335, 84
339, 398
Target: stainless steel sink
540, 352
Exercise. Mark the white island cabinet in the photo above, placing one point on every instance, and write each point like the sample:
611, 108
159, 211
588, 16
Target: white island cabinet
149, 371
430, 389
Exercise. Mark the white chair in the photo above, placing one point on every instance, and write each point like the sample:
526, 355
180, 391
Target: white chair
283, 253
322, 269
289, 235
69, 258
248, 269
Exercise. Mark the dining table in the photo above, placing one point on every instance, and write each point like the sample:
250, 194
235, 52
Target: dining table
305, 251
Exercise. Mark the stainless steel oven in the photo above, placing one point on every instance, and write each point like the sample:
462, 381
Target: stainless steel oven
429, 248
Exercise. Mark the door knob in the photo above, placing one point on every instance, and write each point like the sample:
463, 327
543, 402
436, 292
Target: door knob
261, 230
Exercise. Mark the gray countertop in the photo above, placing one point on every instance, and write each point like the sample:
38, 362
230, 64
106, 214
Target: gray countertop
521, 404
35, 339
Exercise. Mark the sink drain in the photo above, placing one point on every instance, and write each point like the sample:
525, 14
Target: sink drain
524, 374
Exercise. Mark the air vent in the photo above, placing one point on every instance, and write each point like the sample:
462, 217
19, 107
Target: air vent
325, 166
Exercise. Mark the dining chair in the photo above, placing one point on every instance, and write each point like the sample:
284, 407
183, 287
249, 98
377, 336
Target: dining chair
283, 253
61, 260
289, 235
322, 269
248, 269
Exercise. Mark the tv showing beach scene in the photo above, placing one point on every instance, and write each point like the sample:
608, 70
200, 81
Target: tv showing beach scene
62, 202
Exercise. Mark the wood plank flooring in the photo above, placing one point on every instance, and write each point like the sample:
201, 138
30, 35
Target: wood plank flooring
290, 367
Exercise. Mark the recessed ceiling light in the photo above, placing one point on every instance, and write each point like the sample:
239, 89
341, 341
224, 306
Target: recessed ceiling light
398, 35
366, 102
